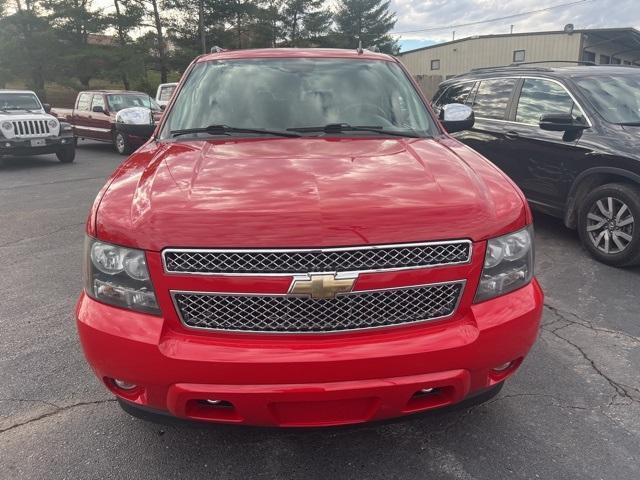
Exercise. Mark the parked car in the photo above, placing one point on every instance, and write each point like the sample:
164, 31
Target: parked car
164, 93
94, 116
568, 137
285, 252
26, 128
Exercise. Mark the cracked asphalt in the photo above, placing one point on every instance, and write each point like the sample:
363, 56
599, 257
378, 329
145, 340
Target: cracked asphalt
571, 412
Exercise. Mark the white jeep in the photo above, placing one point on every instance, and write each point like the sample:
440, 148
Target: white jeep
26, 128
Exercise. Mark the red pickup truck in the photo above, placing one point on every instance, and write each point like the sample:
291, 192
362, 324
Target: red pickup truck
94, 116
302, 243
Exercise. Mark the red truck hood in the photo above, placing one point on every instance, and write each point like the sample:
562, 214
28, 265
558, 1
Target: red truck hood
306, 192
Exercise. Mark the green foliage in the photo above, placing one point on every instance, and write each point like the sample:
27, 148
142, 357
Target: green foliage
140, 43
368, 20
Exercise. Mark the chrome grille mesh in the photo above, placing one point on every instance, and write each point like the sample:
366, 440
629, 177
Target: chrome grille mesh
324, 260
257, 313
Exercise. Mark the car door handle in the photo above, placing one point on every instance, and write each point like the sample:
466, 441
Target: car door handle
512, 134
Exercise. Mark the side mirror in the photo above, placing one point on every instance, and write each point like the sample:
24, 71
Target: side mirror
163, 107
47, 107
137, 121
559, 122
456, 117
97, 109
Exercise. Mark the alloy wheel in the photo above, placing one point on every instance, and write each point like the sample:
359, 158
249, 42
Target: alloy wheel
610, 225
120, 144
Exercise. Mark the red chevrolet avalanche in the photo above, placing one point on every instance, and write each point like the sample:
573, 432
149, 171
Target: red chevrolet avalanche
301, 243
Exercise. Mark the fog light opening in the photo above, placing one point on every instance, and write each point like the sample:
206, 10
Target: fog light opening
215, 403
124, 385
427, 391
502, 367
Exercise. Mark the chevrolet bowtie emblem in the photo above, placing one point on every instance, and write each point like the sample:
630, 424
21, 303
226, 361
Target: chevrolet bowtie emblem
321, 286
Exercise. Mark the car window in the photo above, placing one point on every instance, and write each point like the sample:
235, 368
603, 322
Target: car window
119, 101
98, 101
166, 92
539, 97
455, 94
84, 100
615, 97
492, 98
19, 101
298, 93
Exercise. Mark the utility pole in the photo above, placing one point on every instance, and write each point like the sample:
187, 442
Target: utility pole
203, 38
511, 29
453, 36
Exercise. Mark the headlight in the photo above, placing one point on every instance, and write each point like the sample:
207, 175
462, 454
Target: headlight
7, 126
66, 127
52, 123
508, 264
118, 276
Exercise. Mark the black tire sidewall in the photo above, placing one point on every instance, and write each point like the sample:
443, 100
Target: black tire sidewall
630, 195
66, 154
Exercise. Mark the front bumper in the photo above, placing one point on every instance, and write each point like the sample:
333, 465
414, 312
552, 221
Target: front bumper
308, 380
15, 146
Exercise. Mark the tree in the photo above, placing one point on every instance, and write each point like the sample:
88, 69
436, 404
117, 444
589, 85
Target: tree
126, 16
29, 49
305, 20
366, 20
152, 13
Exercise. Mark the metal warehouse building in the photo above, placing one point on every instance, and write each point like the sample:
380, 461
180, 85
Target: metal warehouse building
435, 63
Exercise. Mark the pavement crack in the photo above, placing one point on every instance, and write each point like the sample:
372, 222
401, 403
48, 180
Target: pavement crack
620, 389
56, 411
574, 319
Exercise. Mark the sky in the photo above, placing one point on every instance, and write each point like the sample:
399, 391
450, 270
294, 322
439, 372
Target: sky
422, 14
439, 15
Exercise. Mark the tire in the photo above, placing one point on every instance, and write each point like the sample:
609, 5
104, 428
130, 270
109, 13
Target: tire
67, 154
121, 143
609, 224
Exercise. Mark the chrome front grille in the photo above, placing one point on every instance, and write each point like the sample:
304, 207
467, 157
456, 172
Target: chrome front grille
30, 128
292, 314
292, 261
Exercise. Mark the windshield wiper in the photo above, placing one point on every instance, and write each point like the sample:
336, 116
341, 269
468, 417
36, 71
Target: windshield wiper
630, 124
226, 130
345, 127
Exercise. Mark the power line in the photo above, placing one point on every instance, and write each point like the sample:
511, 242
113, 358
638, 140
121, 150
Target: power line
480, 22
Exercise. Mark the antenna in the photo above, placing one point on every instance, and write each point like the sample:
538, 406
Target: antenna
359, 49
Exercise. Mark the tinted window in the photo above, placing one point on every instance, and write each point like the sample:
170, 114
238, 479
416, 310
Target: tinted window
615, 97
84, 100
539, 97
296, 93
98, 101
455, 94
492, 98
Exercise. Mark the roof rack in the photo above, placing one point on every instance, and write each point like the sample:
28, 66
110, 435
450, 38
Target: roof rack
531, 66
577, 62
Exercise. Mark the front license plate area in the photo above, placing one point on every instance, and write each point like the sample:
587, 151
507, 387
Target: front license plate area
38, 142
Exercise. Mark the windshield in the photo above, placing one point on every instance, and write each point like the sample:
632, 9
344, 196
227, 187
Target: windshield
615, 97
118, 102
281, 94
165, 92
19, 101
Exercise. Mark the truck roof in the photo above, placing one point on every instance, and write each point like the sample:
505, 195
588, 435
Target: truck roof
295, 53
3, 90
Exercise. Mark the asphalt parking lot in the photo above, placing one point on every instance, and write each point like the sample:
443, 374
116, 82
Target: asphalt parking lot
572, 411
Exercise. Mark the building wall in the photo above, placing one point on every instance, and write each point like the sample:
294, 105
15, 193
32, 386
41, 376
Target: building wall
460, 57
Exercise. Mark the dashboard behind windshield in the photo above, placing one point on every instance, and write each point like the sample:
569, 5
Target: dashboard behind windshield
299, 92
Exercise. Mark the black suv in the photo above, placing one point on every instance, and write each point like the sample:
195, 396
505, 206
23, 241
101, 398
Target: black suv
569, 137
